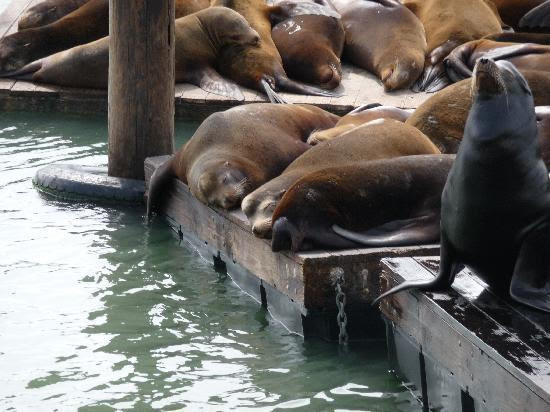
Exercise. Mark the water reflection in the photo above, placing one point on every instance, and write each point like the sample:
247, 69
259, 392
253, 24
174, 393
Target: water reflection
100, 311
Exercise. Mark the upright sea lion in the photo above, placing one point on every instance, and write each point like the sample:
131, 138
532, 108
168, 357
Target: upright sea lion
525, 56
385, 38
443, 116
310, 39
393, 202
200, 38
380, 140
260, 68
47, 12
495, 209
234, 152
85, 24
361, 115
449, 24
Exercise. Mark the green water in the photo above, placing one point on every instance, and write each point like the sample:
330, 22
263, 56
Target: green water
99, 311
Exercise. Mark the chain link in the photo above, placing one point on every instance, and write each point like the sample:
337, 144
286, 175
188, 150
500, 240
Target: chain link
337, 275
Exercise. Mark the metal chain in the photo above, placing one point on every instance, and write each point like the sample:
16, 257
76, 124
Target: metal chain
337, 275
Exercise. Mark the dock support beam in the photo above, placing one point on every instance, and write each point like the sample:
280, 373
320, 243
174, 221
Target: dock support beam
141, 83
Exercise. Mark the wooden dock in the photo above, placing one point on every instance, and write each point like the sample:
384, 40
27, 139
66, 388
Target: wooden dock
192, 103
466, 350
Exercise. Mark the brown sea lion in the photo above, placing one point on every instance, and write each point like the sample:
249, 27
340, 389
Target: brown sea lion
495, 207
357, 117
393, 202
234, 152
85, 24
385, 139
200, 38
525, 56
260, 68
47, 12
449, 24
310, 39
385, 38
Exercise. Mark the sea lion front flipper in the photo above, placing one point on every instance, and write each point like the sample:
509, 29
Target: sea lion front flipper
530, 283
539, 17
406, 232
211, 81
454, 63
448, 268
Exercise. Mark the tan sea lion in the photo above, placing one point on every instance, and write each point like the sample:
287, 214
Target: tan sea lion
357, 117
391, 202
385, 38
525, 56
260, 68
47, 12
310, 39
382, 139
85, 24
449, 24
443, 116
200, 38
235, 151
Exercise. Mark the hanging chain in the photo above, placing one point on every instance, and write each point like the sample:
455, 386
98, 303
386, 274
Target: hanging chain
337, 275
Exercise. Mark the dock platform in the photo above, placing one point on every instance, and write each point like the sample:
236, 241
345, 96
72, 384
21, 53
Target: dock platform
192, 103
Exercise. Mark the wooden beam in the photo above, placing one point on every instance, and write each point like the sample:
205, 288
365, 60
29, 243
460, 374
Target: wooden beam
141, 83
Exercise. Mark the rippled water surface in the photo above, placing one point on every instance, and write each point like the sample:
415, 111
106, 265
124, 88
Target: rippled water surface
100, 311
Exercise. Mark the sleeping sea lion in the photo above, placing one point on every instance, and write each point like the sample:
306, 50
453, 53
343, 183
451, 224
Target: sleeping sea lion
310, 39
495, 209
378, 140
260, 68
511, 11
443, 116
393, 202
235, 151
385, 38
525, 56
449, 24
85, 24
361, 115
537, 18
47, 12
200, 38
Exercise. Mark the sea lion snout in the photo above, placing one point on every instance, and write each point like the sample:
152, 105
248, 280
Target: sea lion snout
285, 236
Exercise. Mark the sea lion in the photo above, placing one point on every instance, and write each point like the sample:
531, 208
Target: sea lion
310, 39
385, 38
393, 202
525, 56
449, 24
87, 23
495, 209
443, 116
200, 38
537, 18
511, 11
379, 140
361, 115
235, 151
539, 38
47, 12
260, 68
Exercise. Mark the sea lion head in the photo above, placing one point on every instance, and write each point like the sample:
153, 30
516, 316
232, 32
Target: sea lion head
402, 73
259, 206
228, 28
222, 182
492, 79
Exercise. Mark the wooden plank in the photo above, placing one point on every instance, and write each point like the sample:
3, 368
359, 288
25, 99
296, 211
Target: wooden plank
487, 359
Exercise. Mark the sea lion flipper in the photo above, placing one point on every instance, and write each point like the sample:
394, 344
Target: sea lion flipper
405, 232
157, 183
211, 81
434, 76
530, 283
539, 17
272, 95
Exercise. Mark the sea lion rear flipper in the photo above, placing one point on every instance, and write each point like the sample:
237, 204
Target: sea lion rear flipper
272, 95
24, 73
157, 183
539, 17
434, 76
516, 50
448, 268
211, 81
404, 232
284, 83
530, 283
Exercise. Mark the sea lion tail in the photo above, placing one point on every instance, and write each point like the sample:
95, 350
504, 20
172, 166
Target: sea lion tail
24, 73
157, 183
284, 83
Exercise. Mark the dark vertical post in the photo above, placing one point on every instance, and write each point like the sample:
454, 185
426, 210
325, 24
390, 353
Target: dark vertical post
141, 83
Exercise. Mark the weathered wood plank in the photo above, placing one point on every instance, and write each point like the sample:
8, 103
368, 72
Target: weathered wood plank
487, 359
